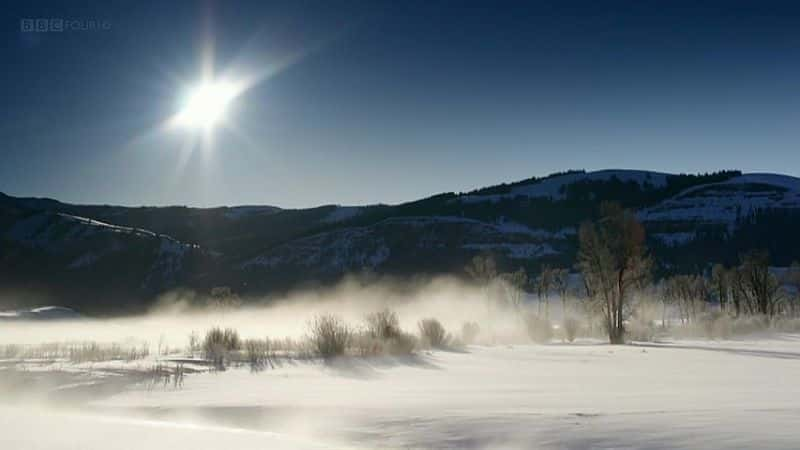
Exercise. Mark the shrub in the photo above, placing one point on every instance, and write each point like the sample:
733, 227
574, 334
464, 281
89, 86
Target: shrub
218, 343
257, 353
329, 335
432, 333
194, 343
571, 327
786, 325
160, 374
10, 351
364, 344
383, 324
716, 325
288, 347
402, 344
723, 327
749, 325
383, 336
641, 329
539, 329
367, 345
469, 332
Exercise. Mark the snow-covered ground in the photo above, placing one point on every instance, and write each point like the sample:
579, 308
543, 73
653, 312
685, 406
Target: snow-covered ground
681, 394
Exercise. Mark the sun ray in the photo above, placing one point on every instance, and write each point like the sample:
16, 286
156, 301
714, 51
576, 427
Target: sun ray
205, 102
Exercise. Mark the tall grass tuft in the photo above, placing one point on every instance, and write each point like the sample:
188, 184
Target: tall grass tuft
219, 343
540, 330
433, 333
329, 335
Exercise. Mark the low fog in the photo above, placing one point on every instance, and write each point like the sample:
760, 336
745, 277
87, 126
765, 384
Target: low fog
178, 314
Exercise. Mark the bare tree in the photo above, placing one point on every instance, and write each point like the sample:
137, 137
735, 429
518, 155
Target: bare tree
792, 281
484, 270
668, 297
560, 279
543, 283
737, 290
690, 294
760, 287
677, 287
515, 283
613, 261
721, 285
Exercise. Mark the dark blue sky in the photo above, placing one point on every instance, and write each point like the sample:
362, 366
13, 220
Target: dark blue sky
390, 101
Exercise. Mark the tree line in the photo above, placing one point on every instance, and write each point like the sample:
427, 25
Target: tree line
614, 266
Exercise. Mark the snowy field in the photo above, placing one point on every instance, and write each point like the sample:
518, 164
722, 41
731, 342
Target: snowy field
681, 394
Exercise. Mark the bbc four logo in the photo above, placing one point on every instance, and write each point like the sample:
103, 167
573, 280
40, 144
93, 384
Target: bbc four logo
58, 25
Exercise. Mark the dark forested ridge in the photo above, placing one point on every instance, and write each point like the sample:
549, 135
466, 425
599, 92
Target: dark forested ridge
110, 258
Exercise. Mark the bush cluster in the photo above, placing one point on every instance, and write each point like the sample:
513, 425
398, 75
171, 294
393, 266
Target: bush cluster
219, 343
383, 336
433, 333
539, 329
469, 332
258, 353
571, 326
329, 335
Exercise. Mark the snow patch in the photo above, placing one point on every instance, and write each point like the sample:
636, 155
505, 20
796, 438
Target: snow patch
719, 203
510, 227
342, 213
41, 313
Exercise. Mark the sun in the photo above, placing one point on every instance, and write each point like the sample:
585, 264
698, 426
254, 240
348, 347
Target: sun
206, 104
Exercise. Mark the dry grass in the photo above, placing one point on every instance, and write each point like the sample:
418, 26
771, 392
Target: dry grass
76, 352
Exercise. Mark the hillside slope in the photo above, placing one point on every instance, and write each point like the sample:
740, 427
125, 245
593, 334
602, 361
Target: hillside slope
89, 254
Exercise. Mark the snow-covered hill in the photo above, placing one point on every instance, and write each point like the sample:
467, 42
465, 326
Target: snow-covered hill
86, 241
726, 202
690, 220
83, 260
369, 247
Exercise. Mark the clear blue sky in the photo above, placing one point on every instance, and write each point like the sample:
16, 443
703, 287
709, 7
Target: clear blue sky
390, 101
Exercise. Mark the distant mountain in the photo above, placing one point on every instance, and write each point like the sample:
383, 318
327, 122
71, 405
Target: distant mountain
109, 259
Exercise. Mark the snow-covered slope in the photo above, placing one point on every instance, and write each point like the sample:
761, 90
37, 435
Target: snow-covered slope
725, 202
45, 229
341, 213
66, 246
359, 248
41, 313
91, 240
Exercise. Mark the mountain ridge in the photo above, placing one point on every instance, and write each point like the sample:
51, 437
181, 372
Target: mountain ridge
135, 253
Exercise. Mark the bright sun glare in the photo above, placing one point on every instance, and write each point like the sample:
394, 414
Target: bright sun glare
206, 104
